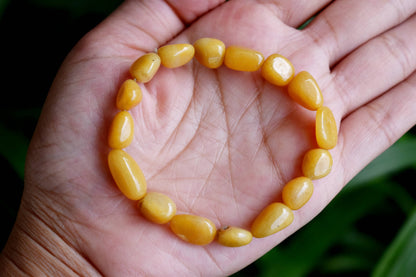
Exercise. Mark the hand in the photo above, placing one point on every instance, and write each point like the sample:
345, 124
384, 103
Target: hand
221, 143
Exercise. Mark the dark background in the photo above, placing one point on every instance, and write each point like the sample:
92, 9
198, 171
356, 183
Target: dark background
369, 229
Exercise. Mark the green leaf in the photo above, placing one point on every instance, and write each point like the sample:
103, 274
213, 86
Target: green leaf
398, 194
13, 147
3, 5
400, 257
399, 156
346, 262
359, 242
307, 22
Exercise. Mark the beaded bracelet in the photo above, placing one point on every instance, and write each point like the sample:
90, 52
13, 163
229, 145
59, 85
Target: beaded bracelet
212, 53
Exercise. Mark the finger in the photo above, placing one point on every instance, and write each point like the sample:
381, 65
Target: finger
262, 25
370, 130
290, 13
346, 24
375, 67
145, 25
189, 10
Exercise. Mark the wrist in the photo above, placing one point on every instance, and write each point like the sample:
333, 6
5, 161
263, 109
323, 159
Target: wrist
37, 247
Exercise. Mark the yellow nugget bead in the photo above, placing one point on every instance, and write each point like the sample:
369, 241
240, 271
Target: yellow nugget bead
121, 130
277, 70
326, 128
157, 207
193, 229
127, 174
272, 219
317, 163
145, 67
304, 90
234, 237
209, 52
175, 55
129, 95
243, 59
297, 192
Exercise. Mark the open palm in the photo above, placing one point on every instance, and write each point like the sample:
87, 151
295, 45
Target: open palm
220, 143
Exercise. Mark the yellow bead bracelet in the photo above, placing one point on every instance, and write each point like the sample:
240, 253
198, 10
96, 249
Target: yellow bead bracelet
212, 53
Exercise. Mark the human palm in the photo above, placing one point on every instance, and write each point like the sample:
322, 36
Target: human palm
220, 143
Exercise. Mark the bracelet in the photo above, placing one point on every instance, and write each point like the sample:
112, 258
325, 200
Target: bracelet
212, 53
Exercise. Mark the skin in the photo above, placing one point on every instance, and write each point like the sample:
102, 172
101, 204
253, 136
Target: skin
220, 143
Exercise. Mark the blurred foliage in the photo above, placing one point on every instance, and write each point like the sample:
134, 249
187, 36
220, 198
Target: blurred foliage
400, 257
369, 229
80, 7
3, 5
